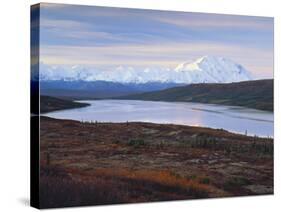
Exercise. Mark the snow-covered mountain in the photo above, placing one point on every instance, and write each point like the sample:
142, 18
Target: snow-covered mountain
207, 69
212, 70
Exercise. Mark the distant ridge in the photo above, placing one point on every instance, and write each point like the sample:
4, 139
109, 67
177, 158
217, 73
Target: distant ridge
256, 94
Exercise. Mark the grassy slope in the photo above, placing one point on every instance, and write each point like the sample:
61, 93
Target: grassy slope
48, 104
107, 163
253, 94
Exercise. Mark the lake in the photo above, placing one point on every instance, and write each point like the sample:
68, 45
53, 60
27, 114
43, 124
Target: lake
232, 118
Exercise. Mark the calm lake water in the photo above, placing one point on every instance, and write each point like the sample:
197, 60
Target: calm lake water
231, 118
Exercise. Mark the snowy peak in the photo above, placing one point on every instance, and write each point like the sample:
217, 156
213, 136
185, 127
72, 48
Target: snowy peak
212, 69
207, 69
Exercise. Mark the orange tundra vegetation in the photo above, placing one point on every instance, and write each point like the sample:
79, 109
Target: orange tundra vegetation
165, 178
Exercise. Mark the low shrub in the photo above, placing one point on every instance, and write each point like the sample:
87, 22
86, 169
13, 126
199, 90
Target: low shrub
136, 142
204, 180
235, 182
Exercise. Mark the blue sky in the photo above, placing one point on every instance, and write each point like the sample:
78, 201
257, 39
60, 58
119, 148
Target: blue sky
108, 37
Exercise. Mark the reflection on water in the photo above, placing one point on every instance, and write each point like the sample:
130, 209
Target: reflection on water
231, 118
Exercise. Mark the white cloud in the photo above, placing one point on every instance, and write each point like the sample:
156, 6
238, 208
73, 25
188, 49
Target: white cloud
219, 21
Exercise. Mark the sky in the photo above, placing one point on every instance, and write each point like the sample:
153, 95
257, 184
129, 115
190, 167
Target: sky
105, 37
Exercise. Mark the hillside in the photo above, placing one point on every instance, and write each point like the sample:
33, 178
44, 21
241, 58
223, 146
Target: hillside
253, 94
48, 104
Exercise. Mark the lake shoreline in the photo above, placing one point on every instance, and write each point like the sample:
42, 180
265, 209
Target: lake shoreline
232, 118
159, 124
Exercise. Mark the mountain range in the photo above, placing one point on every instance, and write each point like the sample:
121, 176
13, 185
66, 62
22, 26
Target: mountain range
80, 82
207, 69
